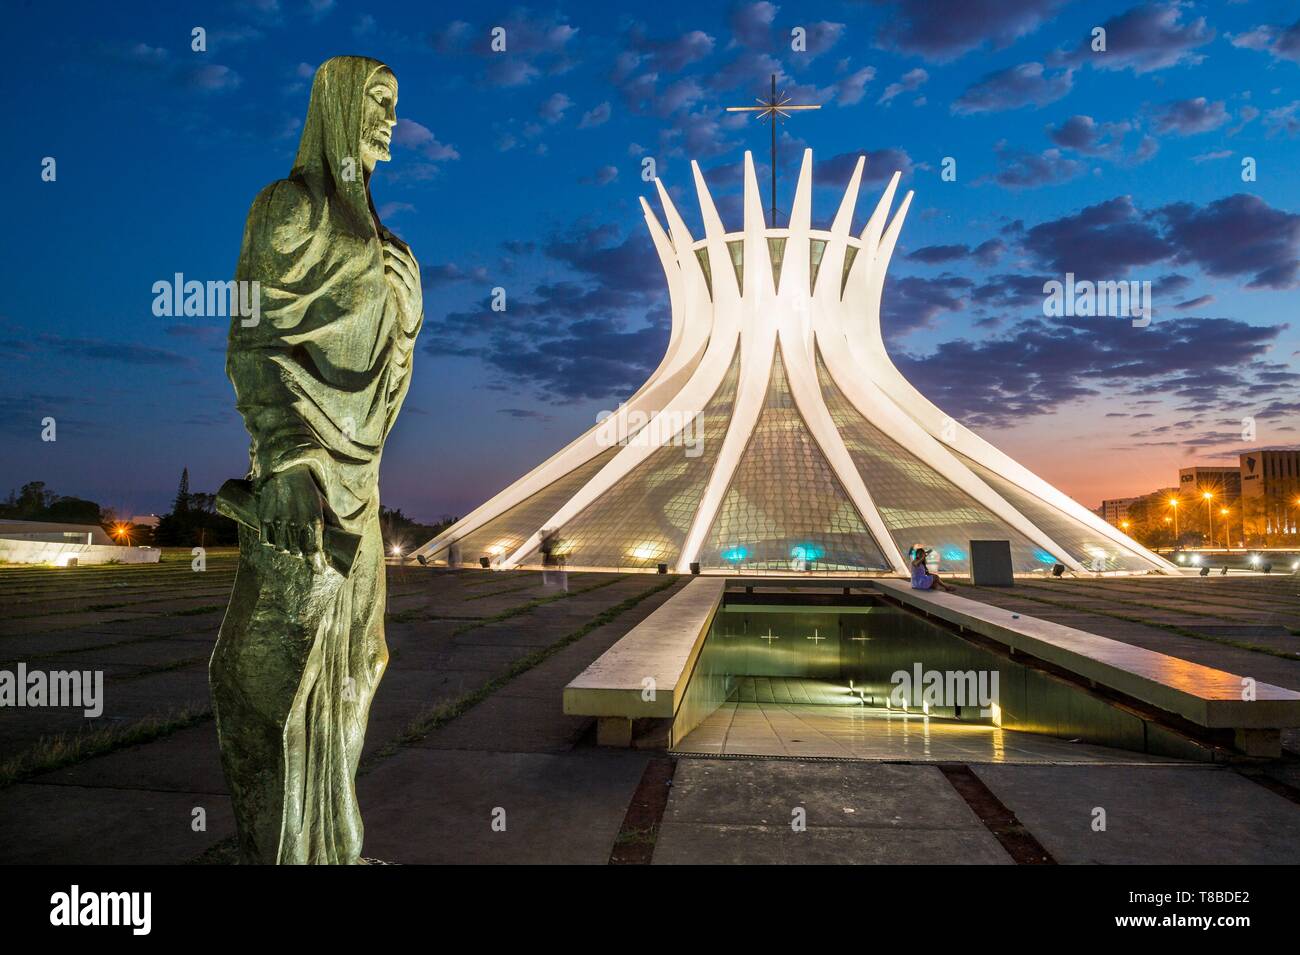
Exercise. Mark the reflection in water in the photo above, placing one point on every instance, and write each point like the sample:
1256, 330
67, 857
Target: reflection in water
801, 681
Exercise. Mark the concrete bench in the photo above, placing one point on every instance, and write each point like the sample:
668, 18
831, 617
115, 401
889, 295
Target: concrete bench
1202, 695
645, 674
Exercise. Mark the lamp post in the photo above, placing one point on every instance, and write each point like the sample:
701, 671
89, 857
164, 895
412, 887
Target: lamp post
1173, 502
1209, 513
1227, 530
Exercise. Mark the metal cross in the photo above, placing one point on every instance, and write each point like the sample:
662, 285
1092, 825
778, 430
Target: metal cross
816, 637
768, 637
777, 107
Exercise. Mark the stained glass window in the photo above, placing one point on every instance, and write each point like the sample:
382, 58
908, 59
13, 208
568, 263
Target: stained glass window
785, 509
918, 504
506, 532
816, 249
702, 255
644, 518
1093, 550
737, 249
776, 250
850, 254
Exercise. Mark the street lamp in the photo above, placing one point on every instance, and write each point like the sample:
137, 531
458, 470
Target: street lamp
1227, 533
1173, 502
1210, 514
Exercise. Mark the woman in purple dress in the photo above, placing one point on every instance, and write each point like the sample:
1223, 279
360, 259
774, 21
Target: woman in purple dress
922, 579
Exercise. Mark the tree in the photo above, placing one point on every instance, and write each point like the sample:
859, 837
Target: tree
404, 533
195, 521
182, 503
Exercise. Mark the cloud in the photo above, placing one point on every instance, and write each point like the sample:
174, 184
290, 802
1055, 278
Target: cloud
1104, 240
1085, 135
1022, 170
1029, 84
1187, 117
534, 46
1282, 43
596, 334
553, 108
596, 116
822, 35
751, 24
1283, 119
946, 29
408, 134
682, 52
909, 81
99, 350
1240, 236
446, 273
1039, 365
913, 302
880, 166
1009, 291
1148, 37
986, 253
1237, 236
211, 77
602, 176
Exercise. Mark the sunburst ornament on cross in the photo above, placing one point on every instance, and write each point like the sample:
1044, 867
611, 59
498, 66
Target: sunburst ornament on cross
772, 109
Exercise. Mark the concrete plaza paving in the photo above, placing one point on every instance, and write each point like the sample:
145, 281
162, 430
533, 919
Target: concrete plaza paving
470, 757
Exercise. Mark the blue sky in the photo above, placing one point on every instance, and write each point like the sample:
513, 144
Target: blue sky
522, 170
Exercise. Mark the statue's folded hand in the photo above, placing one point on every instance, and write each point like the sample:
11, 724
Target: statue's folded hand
403, 274
291, 512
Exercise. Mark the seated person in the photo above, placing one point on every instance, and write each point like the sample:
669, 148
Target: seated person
922, 579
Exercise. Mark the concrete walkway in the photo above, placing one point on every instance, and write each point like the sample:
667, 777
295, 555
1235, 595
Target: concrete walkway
513, 779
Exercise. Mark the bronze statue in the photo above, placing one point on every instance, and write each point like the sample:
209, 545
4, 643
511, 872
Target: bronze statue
319, 377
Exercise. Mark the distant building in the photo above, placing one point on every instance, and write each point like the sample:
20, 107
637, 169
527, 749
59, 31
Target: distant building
53, 533
42, 542
1270, 490
1115, 510
1223, 482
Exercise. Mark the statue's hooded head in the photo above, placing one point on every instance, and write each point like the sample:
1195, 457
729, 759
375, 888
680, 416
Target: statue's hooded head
349, 128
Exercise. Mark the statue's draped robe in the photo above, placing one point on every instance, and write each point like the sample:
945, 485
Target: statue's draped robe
319, 381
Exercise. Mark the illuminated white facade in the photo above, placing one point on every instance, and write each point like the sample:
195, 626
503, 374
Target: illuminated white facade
776, 435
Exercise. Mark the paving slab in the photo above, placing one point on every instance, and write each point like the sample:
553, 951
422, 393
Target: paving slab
695, 844
1154, 815
742, 811
436, 806
93, 825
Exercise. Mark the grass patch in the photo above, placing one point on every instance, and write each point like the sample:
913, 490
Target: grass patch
166, 667
58, 752
195, 611
533, 605
506, 590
